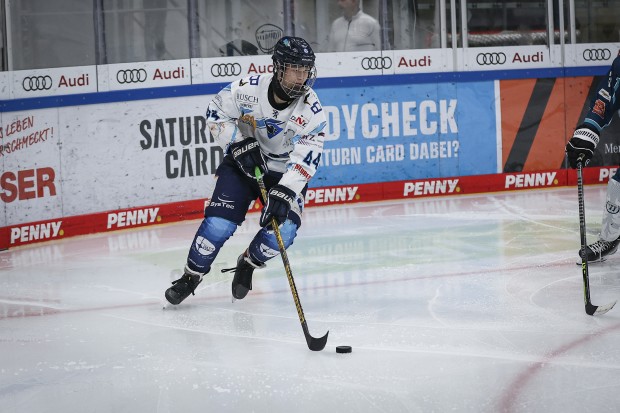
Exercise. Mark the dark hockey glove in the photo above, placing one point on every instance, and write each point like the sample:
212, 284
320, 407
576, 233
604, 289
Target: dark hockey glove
279, 201
247, 155
581, 146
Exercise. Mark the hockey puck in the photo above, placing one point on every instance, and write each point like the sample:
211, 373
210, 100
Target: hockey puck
343, 349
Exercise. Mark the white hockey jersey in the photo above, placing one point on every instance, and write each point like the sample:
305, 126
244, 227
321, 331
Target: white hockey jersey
291, 139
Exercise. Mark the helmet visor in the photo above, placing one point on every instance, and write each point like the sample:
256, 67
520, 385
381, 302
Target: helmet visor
295, 79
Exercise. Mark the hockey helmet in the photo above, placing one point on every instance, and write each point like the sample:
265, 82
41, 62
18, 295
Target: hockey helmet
293, 53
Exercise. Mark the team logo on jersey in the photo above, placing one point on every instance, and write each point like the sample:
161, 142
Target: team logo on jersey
273, 127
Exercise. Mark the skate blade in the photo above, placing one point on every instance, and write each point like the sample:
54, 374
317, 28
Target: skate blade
599, 261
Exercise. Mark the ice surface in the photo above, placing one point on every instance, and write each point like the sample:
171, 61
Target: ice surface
452, 304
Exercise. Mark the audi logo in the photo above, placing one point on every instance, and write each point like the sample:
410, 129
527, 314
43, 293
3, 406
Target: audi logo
226, 69
485, 59
131, 76
32, 83
371, 63
590, 55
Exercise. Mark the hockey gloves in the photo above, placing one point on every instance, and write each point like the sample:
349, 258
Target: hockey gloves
279, 201
247, 155
581, 146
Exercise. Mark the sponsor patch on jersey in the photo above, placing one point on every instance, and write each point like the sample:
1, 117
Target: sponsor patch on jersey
244, 97
301, 171
605, 95
599, 108
299, 120
249, 120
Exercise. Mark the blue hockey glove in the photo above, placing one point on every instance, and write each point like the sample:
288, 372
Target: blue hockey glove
581, 146
247, 155
279, 201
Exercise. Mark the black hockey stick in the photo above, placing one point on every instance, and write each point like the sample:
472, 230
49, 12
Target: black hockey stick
591, 309
314, 344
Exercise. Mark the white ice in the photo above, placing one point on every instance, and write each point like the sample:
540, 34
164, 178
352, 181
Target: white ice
451, 304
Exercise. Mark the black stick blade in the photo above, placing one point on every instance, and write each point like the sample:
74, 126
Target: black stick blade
598, 309
314, 344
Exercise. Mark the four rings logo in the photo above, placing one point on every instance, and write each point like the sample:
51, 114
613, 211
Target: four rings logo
370, 63
226, 69
32, 83
491, 58
590, 55
131, 76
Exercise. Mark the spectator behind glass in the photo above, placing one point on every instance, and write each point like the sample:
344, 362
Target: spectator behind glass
355, 30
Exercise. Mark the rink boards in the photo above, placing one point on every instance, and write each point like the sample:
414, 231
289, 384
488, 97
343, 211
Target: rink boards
95, 149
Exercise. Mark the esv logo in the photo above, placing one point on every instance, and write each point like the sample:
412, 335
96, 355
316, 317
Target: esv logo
590, 55
33, 83
371, 63
488, 59
131, 76
226, 69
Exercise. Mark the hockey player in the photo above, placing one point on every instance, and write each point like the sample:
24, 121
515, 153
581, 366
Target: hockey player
272, 121
604, 104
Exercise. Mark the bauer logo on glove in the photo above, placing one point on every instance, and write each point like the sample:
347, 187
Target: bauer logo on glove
247, 155
279, 201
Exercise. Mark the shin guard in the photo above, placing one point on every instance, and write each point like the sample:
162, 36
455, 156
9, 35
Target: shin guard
209, 238
610, 229
264, 246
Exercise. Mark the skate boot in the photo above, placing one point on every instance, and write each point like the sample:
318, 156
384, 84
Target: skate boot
183, 287
242, 281
600, 249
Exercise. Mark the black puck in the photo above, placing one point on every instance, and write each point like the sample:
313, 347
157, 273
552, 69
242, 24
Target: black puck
343, 349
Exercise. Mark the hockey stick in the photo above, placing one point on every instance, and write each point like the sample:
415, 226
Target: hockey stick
591, 309
314, 344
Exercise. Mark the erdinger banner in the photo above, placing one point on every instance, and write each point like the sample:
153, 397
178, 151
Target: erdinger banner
394, 132
72, 161
30, 176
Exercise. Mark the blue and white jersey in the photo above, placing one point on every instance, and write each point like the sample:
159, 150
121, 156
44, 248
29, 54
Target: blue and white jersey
290, 138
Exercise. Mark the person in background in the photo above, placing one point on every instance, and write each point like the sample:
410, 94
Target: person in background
354, 30
274, 122
581, 147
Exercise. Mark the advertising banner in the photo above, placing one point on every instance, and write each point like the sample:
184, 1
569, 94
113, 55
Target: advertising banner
395, 132
538, 117
30, 178
79, 160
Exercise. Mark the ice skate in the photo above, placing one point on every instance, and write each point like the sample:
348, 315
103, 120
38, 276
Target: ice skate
597, 251
242, 281
183, 287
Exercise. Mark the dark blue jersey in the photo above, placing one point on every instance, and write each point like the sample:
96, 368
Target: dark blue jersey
606, 102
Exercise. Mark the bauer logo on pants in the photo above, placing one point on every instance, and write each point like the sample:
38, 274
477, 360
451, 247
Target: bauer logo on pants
612, 208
